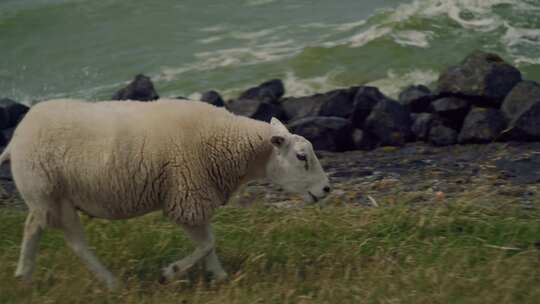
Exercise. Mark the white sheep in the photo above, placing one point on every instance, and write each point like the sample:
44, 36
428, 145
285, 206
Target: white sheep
118, 160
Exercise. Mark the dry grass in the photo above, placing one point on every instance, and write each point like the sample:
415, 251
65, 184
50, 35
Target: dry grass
450, 253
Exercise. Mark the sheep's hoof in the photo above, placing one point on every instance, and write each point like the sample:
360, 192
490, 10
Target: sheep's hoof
173, 271
219, 277
112, 284
23, 280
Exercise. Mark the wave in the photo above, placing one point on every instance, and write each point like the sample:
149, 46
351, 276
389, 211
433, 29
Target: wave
393, 47
296, 86
394, 82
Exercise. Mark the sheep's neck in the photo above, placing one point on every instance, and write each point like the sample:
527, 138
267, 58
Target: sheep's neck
257, 168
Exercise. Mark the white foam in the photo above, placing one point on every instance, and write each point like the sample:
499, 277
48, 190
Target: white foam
516, 36
370, 34
211, 39
477, 15
255, 34
296, 86
522, 60
394, 83
240, 56
258, 2
214, 28
413, 38
195, 96
344, 27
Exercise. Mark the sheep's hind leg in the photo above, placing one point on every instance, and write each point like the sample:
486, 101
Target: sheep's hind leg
33, 230
213, 266
74, 235
204, 241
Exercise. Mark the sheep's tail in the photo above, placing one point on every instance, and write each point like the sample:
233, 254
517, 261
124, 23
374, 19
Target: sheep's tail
3, 157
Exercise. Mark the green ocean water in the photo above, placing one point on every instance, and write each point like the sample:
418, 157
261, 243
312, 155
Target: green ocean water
88, 49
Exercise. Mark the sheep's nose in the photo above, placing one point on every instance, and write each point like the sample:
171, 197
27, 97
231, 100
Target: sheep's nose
327, 189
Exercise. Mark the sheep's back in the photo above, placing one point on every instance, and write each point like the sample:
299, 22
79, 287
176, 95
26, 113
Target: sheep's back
122, 159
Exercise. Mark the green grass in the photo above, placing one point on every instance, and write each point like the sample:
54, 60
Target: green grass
450, 253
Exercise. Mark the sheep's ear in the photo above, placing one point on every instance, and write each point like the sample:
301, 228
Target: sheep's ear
278, 141
278, 126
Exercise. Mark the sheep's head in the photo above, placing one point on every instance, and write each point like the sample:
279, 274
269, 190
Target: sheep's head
294, 166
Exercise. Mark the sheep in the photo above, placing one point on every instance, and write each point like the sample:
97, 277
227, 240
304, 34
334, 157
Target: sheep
118, 160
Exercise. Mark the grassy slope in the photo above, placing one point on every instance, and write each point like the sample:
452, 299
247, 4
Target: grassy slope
392, 254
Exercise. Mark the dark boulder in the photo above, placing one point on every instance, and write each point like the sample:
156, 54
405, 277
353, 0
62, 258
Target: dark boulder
421, 125
452, 110
482, 125
141, 88
353, 103
441, 135
301, 107
416, 98
483, 77
212, 97
522, 96
364, 140
7, 134
526, 126
338, 103
390, 122
365, 99
4, 140
269, 91
257, 109
11, 112
325, 133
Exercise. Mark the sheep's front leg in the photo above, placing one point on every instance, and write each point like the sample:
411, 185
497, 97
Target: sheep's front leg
203, 239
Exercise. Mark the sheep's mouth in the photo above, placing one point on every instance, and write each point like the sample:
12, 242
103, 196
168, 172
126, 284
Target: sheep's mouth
313, 197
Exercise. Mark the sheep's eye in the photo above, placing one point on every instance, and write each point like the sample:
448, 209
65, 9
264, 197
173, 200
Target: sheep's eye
301, 157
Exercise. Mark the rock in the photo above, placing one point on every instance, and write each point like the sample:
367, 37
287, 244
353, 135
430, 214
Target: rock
482, 126
269, 91
3, 140
441, 135
452, 110
11, 112
416, 98
325, 133
212, 97
141, 88
364, 101
353, 103
390, 122
7, 134
301, 107
484, 77
256, 109
421, 125
526, 127
363, 140
338, 103
522, 96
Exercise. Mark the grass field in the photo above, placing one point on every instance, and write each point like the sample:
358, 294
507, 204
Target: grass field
449, 253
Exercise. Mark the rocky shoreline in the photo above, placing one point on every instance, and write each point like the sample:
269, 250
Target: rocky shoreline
483, 99
376, 148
